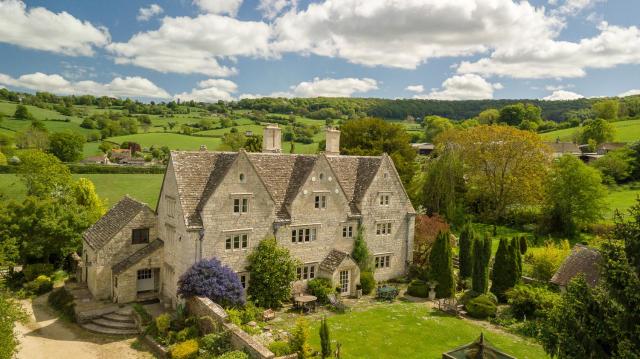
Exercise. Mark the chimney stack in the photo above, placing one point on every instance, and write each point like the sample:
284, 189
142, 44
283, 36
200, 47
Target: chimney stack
332, 139
271, 139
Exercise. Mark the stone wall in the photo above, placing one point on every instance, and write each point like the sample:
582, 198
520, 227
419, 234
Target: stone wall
240, 340
127, 290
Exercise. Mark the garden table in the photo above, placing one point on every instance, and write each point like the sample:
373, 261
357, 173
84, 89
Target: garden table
304, 300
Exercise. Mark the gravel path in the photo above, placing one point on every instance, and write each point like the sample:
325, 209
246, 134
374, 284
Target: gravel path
47, 336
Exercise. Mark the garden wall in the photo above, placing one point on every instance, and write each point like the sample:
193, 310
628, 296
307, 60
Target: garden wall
204, 307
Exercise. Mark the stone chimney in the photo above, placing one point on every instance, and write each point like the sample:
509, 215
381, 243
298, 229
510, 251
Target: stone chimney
272, 139
203, 148
332, 138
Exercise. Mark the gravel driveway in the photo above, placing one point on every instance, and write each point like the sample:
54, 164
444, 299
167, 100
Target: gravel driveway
47, 336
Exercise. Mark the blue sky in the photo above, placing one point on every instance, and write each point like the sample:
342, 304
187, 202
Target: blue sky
210, 50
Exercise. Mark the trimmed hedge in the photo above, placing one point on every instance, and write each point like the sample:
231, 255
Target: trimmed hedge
95, 168
481, 307
418, 288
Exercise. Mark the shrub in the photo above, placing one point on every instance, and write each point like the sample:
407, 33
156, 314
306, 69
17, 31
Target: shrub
545, 261
163, 321
236, 354
10, 312
234, 316
250, 313
528, 301
62, 301
272, 270
280, 348
187, 333
418, 288
321, 288
216, 343
467, 296
185, 350
367, 282
299, 339
40, 285
144, 315
32, 271
209, 278
481, 307
505, 269
441, 266
360, 252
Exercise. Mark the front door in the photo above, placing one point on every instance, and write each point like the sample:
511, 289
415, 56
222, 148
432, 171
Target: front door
344, 282
145, 280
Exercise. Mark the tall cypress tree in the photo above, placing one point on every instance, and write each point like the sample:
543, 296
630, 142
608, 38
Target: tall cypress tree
515, 252
325, 341
481, 256
441, 266
467, 237
360, 252
505, 270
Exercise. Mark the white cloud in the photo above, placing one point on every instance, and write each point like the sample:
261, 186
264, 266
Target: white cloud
630, 93
328, 87
407, 33
119, 87
194, 45
229, 7
571, 7
547, 58
41, 29
463, 87
272, 8
558, 87
146, 13
211, 90
415, 88
562, 95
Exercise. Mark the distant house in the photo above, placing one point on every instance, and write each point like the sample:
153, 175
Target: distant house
248, 133
423, 149
607, 147
135, 161
98, 160
120, 154
582, 260
564, 148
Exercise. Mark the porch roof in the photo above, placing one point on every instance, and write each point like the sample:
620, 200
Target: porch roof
137, 256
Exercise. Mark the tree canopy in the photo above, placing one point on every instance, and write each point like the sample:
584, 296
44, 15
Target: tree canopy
67, 146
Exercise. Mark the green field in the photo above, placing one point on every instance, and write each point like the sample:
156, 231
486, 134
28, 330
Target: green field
412, 330
622, 198
626, 131
110, 187
173, 140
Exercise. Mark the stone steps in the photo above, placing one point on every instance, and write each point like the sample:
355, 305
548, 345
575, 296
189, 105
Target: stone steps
114, 324
95, 328
118, 317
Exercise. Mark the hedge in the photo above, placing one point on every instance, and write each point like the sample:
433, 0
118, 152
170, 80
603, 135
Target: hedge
95, 168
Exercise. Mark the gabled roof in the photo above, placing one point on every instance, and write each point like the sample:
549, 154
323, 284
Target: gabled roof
137, 256
333, 260
198, 174
112, 222
581, 260
564, 147
479, 349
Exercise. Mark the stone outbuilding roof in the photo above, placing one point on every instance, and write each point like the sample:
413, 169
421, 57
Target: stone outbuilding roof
581, 260
333, 260
199, 173
137, 256
564, 147
112, 222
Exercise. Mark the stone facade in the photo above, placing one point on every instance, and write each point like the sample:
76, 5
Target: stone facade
222, 204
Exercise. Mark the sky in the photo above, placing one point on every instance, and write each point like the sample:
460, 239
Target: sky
210, 50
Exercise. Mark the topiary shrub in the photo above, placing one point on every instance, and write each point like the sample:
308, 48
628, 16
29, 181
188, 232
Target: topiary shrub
209, 278
367, 282
320, 288
62, 301
40, 285
32, 271
185, 350
280, 348
528, 301
236, 354
418, 288
216, 343
481, 307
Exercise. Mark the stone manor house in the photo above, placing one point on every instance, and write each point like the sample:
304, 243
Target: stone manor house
221, 204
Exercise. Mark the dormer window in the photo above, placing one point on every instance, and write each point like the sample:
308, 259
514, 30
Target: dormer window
140, 236
321, 201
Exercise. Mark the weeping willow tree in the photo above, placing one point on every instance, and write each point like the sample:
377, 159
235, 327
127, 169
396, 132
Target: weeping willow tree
441, 186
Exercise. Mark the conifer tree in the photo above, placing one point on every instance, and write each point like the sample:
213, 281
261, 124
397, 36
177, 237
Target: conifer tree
360, 253
441, 266
467, 237
325, 341
515, 248
481, 255
505, 270
523, 245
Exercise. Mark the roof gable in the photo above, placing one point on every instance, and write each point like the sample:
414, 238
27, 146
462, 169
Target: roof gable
137, 256
581, 260
355, 174
101, 232
333, 260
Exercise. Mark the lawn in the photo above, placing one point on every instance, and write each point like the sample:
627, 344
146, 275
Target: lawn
110, 187
626, 131
173, 140
412, 330
622, 198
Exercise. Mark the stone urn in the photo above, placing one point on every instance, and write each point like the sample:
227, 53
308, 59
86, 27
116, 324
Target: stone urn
358, 291
432, 289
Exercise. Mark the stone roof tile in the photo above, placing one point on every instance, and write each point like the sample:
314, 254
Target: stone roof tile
137, 256
333, 260
581, 260
112, 222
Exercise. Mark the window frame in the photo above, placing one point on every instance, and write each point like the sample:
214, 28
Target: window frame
382, 261
320, 201
136, 239
307, 271
347, 231
240, 205
236, 242
304, 234
383, 228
